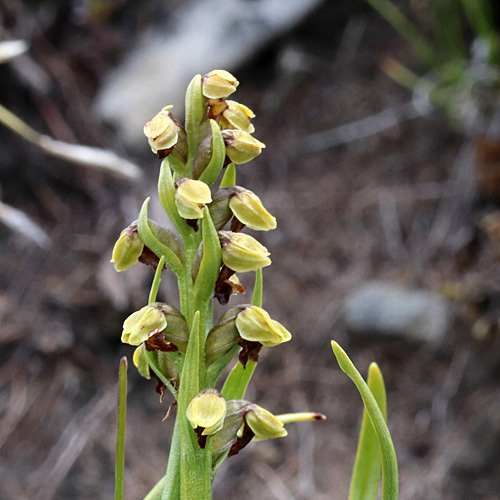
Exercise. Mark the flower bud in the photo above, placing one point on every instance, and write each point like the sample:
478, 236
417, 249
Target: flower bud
127, 249
248, 209
219, 208
207, 410
222, 337
219, 83
191, 197
242, 253
140, 362
255, 325
162, 131
237, 116
202, 157
142, 324
241, 147
264, 424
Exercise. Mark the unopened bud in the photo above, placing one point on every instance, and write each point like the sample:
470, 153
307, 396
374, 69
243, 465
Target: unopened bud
264, 424
249, 210
219, 208
242, 253
222, 337
191, 197
127, 249
142, 324
255, 325
140, 362
207, 411
219, 83
237, 116
162, 131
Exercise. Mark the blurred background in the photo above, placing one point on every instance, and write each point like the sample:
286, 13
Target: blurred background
382, 167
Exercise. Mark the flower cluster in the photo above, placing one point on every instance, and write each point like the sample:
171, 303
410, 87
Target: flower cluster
183, 348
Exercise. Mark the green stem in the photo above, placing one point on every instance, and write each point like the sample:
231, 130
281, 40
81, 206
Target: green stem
120, 433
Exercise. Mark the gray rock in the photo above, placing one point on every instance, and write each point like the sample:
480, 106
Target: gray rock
391, 310
215, 34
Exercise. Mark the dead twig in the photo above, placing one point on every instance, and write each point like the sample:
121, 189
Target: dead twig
82, 155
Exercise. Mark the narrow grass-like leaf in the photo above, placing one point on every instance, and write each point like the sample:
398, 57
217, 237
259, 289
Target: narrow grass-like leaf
406, 29
390, 486
154, 244
156, 281
210, 174
120, 432
166, 193
237, 381
229, 178
210, 263
367, 466
195, 113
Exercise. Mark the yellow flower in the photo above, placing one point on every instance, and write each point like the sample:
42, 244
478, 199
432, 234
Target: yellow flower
264, 424
162, 131
219, 84
207, 410
255, 325
241, 147
242, 253
142, 324
248, 209
128, 248
237, 116
191, 197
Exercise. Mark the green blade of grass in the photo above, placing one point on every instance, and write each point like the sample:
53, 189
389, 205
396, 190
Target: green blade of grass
120, 432
407, 30
390, 485
367, 466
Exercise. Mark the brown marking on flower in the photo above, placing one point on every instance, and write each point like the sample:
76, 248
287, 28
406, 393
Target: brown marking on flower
241, 442
157, 342
202, 440
249, 351
236, 225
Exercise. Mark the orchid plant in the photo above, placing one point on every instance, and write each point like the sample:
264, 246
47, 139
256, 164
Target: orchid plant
185, 349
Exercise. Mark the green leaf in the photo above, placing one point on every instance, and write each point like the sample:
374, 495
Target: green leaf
156, 281
209, 265
166, 193
120, 431
367, 466
237, 381
229, 178
390, 486
154, 244
196, 110
210, 174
